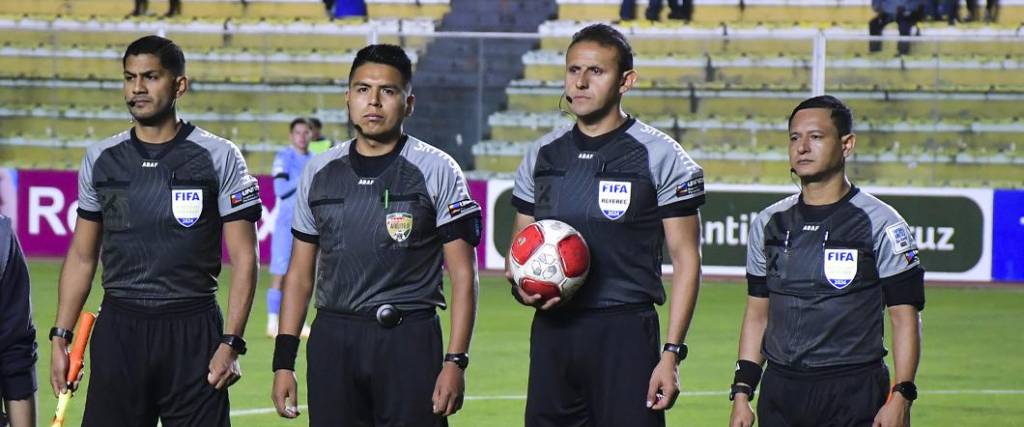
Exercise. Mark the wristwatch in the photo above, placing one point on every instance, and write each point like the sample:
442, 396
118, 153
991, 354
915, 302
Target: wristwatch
907, 389
680, 351
741, 388
459, 359
61, 332
235, 342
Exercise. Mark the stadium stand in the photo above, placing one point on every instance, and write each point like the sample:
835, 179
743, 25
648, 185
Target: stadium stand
721, 85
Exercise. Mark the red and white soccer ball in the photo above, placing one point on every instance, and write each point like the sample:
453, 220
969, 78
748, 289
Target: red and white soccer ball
549, 258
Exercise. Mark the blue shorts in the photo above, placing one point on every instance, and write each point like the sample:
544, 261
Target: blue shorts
280, 248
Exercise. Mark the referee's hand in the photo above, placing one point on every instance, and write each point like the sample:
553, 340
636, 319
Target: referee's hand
59, 365
742, 414
895, 412
664, 386
449, 390
285, 393
224, 368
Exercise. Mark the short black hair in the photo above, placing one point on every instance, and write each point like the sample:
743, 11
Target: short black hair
842, 116
170, 54
606, 35
298, 121
315, 122
387, 54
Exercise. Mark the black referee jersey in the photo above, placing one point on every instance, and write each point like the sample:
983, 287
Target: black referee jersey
162, 207
615, 190
380, 235
827, 272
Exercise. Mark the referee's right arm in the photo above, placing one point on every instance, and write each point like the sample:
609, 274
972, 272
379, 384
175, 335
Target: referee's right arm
73, 289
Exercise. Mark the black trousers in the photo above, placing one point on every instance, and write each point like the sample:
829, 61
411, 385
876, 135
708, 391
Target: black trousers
904, 20
361, 374
592, 368
147, 364
850, 397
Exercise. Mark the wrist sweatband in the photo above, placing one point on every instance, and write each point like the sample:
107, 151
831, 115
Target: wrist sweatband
286, 347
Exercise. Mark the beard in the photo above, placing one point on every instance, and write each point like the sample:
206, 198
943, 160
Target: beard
158, 117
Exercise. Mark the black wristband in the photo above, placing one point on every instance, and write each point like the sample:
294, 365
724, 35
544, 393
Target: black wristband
286, 348
748, 373
62, 333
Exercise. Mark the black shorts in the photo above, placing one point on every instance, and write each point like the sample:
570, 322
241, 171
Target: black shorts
361, 374
847, 397
592, 368
148, 364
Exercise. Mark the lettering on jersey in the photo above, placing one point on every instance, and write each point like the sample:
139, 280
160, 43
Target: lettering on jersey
840, 266
245, 196
461, 206
613, 198
585, 156
811, 227
187, 205
900, 238
149, 163
399, 225
693, 186
365, 181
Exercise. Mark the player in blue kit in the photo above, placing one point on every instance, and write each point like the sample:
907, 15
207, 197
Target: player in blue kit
287, 170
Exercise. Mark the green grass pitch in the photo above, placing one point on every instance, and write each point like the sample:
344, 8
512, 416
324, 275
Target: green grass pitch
971, 371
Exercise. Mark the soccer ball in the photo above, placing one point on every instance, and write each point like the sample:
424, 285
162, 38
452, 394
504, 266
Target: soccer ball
549, 258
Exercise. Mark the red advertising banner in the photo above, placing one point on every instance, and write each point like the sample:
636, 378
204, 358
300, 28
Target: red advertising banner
48, 201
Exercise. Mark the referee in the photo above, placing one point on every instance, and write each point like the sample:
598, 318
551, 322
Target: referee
375, 219
153, 205
628, 188
17, 334
821, 265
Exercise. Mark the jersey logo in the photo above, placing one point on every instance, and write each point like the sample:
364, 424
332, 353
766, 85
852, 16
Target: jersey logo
840, 266
399, 225
460, 206
365, 181
899, 237
811, 227
149, 163
585, 156
247, 195
693, 186
187, 205
613, 198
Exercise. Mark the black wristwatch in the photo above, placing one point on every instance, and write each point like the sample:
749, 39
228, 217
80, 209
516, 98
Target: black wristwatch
235, 342
459, 359
61, 332
907, 389
741, 388
680, 351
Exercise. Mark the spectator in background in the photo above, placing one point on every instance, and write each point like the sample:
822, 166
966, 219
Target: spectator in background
905, 13
678, 9
141, 6
287, 170
318, 143
991, 10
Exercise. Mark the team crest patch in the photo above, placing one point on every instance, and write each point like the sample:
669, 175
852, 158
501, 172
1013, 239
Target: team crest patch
399, 225
613, 198
840, 266
900, 238
187, 205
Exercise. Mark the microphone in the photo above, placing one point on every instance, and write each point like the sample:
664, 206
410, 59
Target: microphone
131, 103
568, 98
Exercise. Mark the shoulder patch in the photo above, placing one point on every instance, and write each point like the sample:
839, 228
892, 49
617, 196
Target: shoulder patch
899, 237
693, 186
460, 206
247, 195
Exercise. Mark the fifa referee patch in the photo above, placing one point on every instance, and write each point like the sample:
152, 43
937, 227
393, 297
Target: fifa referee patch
245, 196
900, 238
461, 206
693, 186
